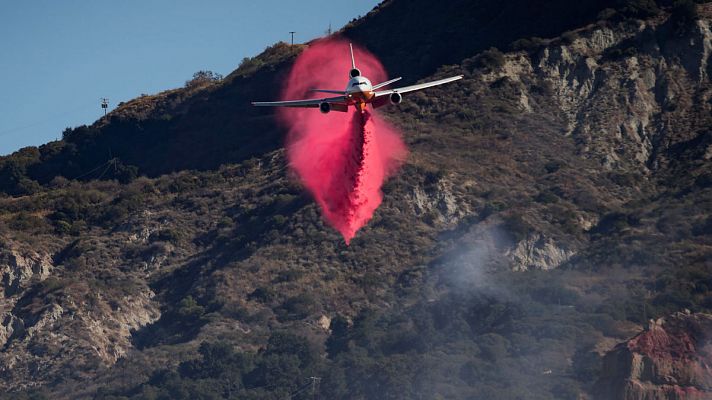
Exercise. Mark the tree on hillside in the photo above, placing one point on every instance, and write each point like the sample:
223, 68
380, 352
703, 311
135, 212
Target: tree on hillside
203, 77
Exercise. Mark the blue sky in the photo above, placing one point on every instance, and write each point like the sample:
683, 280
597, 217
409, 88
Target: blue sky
58, 58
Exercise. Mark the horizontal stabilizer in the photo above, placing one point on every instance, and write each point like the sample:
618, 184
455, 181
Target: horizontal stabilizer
328, 91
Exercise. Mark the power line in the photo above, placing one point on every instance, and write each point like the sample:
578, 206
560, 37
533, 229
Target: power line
313, 384
299, 390
41, 121
315, 380
107, 164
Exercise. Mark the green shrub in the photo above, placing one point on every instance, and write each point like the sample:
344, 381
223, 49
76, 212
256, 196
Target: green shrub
201, 78
638, 8
492, 207
25, 221
297, 307
493, 347
289, 275
569, 37
249, 65
52, 284
618, 53
615, 222
552, 166
122, 206
606, 14
546, 198
27, 186
517, 227
125, 173
166, 235
190, 309
77, 228
529, 45
62, 227
490, 59
262, 294
226, 222
279, 220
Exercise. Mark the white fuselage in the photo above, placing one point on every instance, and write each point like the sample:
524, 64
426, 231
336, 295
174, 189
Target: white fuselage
359, 84
359, 91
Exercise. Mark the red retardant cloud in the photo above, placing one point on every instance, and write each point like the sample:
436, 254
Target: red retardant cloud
341, 158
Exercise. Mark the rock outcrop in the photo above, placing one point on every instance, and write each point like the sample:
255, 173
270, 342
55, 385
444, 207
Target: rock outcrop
538, 252
439, 202
622, 88
671, 359
18, 267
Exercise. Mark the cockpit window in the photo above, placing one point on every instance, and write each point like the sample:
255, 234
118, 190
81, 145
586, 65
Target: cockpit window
358, 83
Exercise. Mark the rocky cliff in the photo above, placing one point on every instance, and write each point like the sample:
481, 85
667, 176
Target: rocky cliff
671, 359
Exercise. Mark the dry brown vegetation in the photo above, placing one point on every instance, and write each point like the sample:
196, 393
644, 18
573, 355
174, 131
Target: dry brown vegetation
423, 303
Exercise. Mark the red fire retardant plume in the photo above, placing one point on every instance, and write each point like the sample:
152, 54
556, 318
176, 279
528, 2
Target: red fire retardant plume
341, 158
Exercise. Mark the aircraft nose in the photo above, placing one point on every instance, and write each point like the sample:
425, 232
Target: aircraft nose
359, 88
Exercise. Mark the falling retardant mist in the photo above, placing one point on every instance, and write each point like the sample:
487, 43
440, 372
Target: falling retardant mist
341, 158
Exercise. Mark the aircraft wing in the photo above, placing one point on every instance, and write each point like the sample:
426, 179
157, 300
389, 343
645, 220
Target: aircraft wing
311, 103
419, 86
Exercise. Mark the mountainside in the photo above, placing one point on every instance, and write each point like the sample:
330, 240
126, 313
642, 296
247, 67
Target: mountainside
205, 125
554, 201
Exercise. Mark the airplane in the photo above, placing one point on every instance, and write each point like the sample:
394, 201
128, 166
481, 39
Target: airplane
359, 93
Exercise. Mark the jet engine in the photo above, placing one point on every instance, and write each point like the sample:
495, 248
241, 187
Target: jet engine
396, 98
355, 72
324, 107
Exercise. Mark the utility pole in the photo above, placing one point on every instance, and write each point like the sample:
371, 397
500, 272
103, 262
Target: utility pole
104, 104
292, 33
328, 32
314, 385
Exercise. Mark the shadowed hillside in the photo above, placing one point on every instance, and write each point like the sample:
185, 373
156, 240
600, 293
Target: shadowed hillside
207, 124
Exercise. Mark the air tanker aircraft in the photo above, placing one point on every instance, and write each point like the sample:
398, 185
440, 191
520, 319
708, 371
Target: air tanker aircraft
359, 92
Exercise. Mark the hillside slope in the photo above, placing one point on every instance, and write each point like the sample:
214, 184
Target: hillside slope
205, 125
550, 206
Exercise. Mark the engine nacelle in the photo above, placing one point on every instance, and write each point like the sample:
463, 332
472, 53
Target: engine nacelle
324, 107
396, 98
354, 73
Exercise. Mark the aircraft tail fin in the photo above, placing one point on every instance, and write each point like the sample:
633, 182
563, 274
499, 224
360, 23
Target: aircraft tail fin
354, 71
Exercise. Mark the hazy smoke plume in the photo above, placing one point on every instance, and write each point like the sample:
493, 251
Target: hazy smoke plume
341, 158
